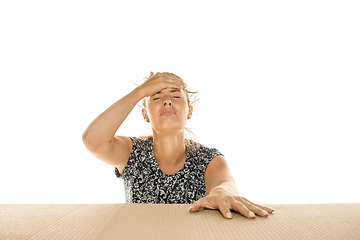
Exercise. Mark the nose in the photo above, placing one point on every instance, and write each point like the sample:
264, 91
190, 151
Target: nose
167, 102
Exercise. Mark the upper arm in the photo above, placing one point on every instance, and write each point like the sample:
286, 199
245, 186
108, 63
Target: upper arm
115, 153
217, 172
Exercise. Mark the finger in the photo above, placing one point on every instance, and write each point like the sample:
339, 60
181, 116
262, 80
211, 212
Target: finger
202, 203
225, 210
195, 207
267, 209
171, 74
242, 209
180, 84
254, 208
171, 86
258, 211
170, 83
173, 77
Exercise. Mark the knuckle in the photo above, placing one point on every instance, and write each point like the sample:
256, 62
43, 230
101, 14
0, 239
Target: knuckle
222, 199
224, 204
242, 200
238, 198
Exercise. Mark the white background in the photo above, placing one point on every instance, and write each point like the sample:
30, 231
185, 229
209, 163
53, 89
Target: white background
278, 81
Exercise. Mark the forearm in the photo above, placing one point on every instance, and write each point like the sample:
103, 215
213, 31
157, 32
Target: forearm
104, 127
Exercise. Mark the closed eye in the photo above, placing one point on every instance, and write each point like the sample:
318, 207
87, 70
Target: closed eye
156, 97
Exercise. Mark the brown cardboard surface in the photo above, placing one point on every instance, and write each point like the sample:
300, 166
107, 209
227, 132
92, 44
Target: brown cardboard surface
162, 221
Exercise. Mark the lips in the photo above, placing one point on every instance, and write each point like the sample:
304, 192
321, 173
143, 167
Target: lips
167, 112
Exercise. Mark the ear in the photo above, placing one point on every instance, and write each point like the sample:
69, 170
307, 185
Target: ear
191, 109
146, 118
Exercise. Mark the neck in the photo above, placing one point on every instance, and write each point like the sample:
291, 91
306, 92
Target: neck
169, 151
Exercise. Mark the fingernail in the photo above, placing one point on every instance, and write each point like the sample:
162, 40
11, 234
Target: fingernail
265, 212
190, 208
251, 214
228, 215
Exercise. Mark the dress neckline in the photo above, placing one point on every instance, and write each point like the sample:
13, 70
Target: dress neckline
152, 156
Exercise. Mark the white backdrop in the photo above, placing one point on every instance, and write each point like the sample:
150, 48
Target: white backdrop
278, 81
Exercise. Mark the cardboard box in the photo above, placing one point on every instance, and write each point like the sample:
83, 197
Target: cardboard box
162, 221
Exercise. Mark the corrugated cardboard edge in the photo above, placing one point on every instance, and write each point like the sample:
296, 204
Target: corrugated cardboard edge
161, 221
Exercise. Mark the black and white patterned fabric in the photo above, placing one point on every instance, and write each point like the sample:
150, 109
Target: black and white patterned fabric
144, 182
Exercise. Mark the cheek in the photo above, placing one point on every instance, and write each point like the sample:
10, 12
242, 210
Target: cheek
150, 110
184, 110
153, 109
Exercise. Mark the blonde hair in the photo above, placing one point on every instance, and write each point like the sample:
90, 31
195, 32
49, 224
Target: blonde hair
191, 99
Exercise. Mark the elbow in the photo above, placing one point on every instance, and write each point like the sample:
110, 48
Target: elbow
89, 141
85, 136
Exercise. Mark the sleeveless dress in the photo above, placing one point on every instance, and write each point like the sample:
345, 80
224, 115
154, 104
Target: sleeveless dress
144, 182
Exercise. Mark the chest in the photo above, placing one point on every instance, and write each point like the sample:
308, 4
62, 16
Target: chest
169, 169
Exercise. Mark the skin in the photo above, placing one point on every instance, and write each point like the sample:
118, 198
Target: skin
167, 112
168, 128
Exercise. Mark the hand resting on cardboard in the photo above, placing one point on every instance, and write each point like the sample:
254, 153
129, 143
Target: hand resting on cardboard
223, 193
220, 198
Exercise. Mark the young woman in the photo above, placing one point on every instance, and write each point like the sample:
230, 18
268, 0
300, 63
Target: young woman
166, 168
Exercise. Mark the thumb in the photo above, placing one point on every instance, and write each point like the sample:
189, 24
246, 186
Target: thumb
195, 207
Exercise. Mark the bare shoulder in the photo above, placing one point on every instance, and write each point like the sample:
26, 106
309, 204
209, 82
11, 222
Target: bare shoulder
217, 163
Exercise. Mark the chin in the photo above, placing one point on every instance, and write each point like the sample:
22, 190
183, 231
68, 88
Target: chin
168, 126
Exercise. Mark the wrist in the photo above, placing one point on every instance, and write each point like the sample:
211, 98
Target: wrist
139, 93
218, 189
225, 188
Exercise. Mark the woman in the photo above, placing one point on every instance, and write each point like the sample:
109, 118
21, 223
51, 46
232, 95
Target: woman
166, 168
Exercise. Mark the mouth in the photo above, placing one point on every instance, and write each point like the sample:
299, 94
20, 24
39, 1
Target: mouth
167, 113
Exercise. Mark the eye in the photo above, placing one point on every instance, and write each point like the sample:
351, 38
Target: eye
176, 97
156, 97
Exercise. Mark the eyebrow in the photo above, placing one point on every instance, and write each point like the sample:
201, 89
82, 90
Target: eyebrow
172, 90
